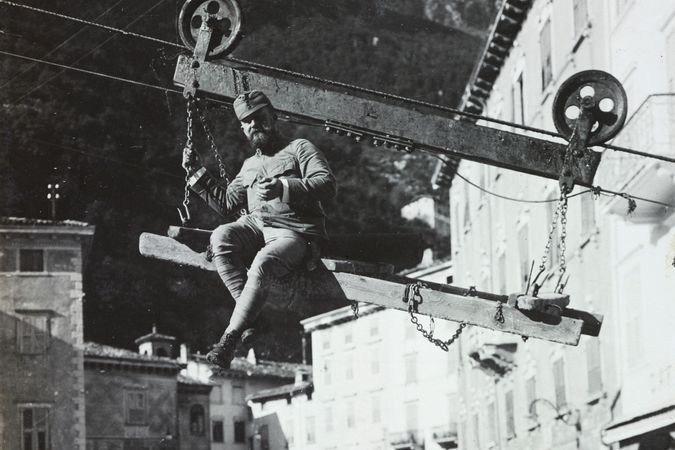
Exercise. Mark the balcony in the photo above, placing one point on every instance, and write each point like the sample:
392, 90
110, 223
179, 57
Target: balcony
651, 130
445, 436
406, 440
496, 360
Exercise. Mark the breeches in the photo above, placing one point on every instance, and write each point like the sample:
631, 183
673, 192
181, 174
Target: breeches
269, 253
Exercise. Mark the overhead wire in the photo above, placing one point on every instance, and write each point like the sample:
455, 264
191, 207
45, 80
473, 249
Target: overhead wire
336, 83
339, 84
70, 38
176, 91
48, 80
594, 190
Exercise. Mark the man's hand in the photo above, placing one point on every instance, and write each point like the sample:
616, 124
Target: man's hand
269, 188
189, 159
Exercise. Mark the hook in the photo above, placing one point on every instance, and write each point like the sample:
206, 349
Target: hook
184, 219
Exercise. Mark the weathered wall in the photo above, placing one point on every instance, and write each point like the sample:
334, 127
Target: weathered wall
107, 424
51, 377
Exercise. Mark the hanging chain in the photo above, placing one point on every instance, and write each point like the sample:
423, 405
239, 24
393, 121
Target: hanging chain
355, 308
499, 314
212, 144
413, 297
189, 148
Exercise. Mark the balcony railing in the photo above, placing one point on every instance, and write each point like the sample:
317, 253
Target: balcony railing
650, 129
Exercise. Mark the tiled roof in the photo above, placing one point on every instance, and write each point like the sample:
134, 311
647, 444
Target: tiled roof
273, 369
306, 387
154, 337
184, 379
29, 221
93, 349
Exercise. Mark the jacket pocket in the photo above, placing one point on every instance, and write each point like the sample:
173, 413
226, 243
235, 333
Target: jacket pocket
282, 167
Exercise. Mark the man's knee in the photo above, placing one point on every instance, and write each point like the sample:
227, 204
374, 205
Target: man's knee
223, 239
268, 267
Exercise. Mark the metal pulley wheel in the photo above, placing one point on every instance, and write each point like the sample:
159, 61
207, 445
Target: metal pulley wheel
224, 17
608, 105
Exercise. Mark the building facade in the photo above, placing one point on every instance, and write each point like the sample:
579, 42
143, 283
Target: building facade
42, 403
617, 390
229, 420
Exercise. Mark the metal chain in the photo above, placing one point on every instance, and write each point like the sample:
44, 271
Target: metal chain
212, 143
189, 148
563, 232
355, 308
499, 314
413, 300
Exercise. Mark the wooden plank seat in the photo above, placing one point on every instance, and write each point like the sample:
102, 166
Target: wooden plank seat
336, 282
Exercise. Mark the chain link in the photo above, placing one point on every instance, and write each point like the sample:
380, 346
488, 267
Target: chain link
355, 308
212, 144
499, 314
415, 299
189, 148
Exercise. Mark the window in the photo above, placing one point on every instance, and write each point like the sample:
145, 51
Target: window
31, 260
326, 340
545, 52
264, 433
327, 378
411, 368
518, 101
580, 17
239, 431
197, 420
587, 215
7, 260
34, 428
351, 419
632, 290
238, 395
33, 333
524, 253
476, 431
492, 423
594, 366
501, 268
329, 418
349, 336
411, 412
530, 391
349, 369
510, 414
559, 381
217, 430
374, 327
63, 261
375, 409
374, 362
135, 407
311, 434
217, 394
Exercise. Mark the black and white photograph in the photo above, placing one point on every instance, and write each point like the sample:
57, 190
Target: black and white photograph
337, 225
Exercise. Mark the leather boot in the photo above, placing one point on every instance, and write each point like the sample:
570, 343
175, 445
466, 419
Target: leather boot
222, 353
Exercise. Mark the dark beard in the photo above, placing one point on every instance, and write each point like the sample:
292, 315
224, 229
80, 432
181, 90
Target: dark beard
265, 141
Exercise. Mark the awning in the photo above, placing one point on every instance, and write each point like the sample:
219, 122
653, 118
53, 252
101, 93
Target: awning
639, 425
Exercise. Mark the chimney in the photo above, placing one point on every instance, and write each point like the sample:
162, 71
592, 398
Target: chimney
184, 352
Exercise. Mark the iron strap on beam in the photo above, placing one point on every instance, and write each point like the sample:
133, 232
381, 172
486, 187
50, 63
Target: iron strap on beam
432, 129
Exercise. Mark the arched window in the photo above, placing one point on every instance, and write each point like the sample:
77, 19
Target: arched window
197, 419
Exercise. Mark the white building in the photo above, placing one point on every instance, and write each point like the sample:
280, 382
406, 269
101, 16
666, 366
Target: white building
618, 389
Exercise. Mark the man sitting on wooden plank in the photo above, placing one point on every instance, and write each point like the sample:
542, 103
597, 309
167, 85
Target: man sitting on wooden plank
282, 186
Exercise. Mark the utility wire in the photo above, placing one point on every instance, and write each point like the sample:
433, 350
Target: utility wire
165, 89
340, 84
594, 190
71, 37
48, 80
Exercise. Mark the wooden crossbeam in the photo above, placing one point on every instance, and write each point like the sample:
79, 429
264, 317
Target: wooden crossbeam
339, 282
379, 117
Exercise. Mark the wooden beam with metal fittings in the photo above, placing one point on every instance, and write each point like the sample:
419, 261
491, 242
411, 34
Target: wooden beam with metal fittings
433, 129
338, 282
